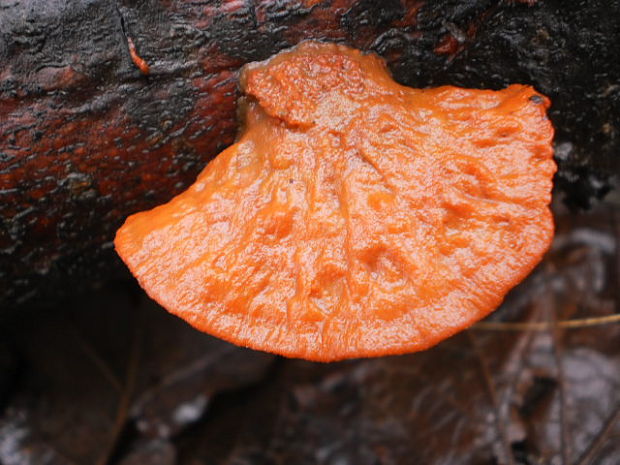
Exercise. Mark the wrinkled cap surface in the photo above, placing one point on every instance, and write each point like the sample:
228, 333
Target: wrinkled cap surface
354, 216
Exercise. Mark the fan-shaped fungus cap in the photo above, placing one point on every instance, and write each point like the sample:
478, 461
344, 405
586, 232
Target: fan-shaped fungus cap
354, 217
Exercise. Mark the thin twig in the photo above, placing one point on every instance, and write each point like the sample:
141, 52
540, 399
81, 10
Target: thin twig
523, 348
575, 323
615, 220
99, 362
556, 336
599, 441
490, 385
124, 402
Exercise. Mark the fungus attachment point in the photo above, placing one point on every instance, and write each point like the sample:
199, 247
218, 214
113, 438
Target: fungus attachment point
354, 217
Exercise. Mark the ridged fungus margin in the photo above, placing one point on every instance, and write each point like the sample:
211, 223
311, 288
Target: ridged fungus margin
354, 217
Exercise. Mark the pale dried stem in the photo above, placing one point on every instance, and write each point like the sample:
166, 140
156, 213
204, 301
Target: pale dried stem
576, 323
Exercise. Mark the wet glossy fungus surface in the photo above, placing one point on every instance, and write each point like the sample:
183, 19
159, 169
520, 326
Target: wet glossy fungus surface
354, 216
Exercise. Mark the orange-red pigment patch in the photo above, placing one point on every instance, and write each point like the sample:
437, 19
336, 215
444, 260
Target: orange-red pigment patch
354, 217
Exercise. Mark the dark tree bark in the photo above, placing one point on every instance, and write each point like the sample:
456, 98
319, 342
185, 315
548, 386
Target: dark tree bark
87, 137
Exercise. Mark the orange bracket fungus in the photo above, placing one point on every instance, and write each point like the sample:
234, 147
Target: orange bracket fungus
353, 217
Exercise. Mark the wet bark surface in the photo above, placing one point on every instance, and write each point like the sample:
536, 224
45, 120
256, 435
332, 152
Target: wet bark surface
88, 137
111, 378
